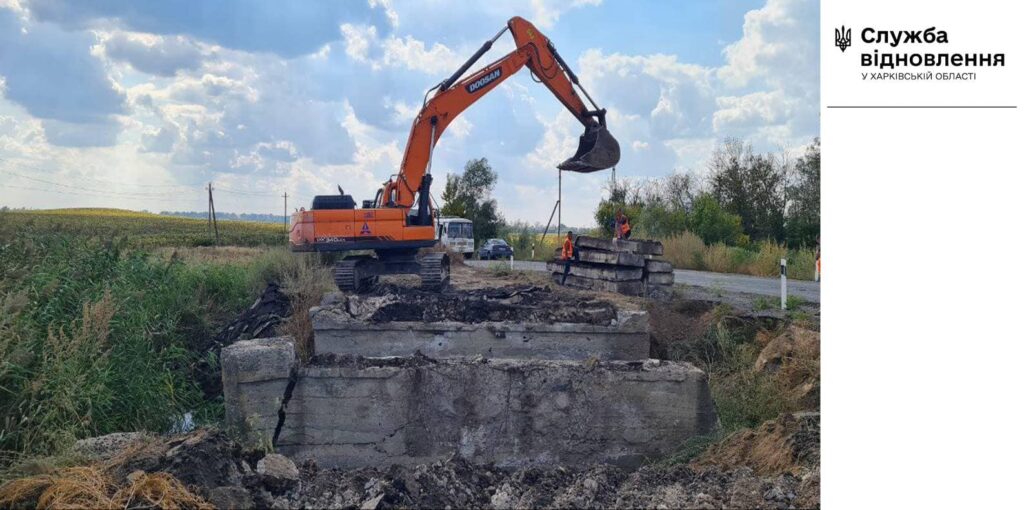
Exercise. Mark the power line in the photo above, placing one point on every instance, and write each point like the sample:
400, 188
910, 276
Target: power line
118, 183
82, 188
94, 195
138, 195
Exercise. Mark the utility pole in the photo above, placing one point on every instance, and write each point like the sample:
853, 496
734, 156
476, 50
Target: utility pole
209, 215
559, 204
285, 212
213, 214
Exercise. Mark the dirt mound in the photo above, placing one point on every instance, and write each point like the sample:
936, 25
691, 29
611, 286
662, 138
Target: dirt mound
789, 444
260, 320
794, 356
203, 459
95, 487
205, 465
515, 303
453, 483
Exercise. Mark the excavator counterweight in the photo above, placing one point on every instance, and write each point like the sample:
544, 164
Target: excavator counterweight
400, 220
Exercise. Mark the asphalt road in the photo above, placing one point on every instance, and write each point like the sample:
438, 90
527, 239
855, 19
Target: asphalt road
723, 282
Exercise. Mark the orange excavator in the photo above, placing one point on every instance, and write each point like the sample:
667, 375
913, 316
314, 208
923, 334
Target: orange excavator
400, 220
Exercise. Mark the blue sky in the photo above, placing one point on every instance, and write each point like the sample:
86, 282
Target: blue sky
139, 104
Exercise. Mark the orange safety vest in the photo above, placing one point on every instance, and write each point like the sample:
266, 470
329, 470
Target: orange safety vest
625, 225
567, 248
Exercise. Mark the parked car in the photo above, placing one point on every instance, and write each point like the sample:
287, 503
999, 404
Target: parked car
495, 249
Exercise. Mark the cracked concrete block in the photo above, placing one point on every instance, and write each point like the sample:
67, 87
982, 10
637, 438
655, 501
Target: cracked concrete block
256, 374
356, 412
627, 338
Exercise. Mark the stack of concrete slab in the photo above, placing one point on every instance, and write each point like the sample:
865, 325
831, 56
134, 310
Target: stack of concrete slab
629, 267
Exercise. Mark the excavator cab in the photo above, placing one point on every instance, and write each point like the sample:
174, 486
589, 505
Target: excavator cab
598, 149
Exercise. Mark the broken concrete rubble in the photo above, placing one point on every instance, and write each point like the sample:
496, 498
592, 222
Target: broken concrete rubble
353, 412
517, 303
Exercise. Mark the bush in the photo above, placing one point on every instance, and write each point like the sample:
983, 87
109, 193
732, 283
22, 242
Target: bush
709, 221
685, 251
767, 260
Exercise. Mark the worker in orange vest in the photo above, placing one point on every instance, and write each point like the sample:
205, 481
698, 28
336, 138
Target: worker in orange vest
568, 253
817, 259
622, 228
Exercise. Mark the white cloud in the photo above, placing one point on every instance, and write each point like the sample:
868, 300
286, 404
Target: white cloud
668, 115
153, 54
410, 53
545, 13
776, 45
358, 39
389, 10
329, 100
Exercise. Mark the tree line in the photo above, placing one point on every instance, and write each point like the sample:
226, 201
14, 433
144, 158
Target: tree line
745, 197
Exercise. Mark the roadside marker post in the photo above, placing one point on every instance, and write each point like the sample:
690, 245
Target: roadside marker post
782, 275
512, 262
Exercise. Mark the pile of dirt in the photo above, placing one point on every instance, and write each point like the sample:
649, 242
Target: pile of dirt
144, 472
514, 303
789, 444
203, 459
260, 320
793, 354
453, 483
206, 466
92, 487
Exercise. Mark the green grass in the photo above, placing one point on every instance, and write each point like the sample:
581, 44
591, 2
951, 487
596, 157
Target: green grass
98, 335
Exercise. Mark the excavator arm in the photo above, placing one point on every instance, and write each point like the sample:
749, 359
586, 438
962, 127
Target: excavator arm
598, 149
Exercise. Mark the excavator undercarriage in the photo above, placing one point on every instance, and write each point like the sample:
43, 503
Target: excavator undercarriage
358, 273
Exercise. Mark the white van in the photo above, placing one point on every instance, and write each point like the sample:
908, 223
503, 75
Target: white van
456, 234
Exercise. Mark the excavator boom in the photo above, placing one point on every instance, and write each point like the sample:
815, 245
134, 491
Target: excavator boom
390, 225
598, 150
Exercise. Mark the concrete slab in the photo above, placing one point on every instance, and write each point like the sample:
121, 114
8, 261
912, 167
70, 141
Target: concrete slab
352, 413
256, 374
642, 247
660, 278
657, 266
528, 322
631, 288
606, 257
627, 338
598, 271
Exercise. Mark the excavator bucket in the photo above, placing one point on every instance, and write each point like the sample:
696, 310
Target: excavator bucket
598, 150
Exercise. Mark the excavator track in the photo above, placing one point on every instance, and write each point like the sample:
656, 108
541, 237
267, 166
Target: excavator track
349, 278
435, 270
